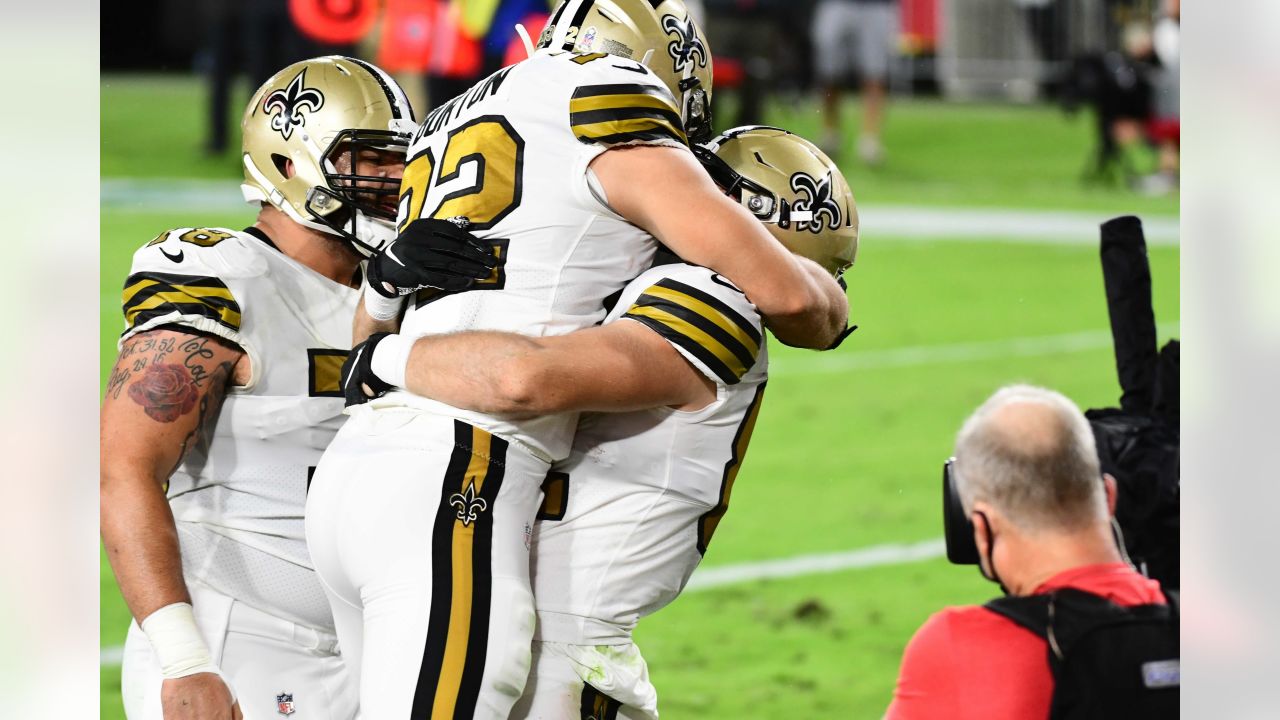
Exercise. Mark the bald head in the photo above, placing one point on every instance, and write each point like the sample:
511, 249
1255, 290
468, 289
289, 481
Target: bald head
1029, 452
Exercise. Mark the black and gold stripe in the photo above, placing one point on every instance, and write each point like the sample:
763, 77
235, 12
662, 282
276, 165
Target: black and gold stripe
462, 578
149, 295
711, 519
624, 113
716, 334
598, 706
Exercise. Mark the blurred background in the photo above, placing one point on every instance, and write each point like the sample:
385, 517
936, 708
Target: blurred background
985, 141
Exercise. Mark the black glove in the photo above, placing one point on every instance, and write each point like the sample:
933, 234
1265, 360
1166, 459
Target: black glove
359, 383
430, 254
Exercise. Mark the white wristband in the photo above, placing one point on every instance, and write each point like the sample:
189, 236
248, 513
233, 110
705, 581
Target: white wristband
179, 646
380, 307
391, 359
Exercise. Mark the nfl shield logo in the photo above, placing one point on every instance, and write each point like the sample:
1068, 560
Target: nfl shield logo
284, 703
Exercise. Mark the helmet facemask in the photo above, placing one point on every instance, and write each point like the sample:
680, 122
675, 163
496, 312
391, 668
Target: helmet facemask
697, 111
360, 208
761, 202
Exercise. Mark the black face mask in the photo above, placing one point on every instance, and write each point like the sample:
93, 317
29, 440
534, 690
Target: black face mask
958, 529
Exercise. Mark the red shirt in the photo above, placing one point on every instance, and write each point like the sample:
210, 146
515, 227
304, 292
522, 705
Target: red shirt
969, 662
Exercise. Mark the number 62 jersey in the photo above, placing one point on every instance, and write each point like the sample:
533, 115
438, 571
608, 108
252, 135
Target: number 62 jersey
511, 155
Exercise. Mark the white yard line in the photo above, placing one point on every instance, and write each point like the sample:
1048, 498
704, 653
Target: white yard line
719, 576
878, 555
838, 362
111, 656
878, 221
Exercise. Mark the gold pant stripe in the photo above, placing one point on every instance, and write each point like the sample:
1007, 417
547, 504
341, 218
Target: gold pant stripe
462, 603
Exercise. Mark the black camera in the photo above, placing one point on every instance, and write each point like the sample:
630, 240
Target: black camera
956, 525
1138, 442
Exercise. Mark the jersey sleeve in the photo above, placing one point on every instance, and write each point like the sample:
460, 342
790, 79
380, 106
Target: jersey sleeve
620, 102
710, 322
173, 282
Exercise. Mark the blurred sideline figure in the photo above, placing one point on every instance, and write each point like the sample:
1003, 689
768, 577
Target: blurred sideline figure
681, 362
570, 167
1082, 634
849, 36
746, 36
254, 37
1165, 126
223, 397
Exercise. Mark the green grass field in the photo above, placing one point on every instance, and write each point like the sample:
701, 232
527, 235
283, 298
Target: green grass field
841, 459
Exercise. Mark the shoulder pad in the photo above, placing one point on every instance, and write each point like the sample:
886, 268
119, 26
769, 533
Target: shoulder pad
620, 102
225, 252
180, 277
704, 316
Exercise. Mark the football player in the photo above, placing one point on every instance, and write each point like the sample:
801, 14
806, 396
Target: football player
627, 517
571, 166
225, 393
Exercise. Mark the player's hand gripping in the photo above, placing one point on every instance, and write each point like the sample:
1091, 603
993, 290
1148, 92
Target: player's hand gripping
430, 253
203, 696
360, 383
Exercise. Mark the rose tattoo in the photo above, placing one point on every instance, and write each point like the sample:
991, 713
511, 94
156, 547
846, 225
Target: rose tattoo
166, 392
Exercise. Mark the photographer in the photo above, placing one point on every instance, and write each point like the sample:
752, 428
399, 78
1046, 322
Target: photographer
1025, 487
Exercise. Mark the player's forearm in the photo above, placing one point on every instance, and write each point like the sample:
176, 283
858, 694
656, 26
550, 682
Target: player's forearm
141, 542
487, 372
365, 324
819, 319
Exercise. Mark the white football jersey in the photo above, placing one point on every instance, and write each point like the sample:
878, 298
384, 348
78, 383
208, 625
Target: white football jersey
238, 501
627, 517
512, 155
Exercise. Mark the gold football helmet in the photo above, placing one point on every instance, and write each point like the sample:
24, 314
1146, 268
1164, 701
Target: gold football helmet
320, 114
657, 33
792, 187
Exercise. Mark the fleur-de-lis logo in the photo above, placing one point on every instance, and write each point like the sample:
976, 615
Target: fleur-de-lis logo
819, 201
467, 504
288, 104
687, 45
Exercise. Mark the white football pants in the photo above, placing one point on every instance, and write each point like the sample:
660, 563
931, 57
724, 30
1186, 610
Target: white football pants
587, 682
265, 659
419, 526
